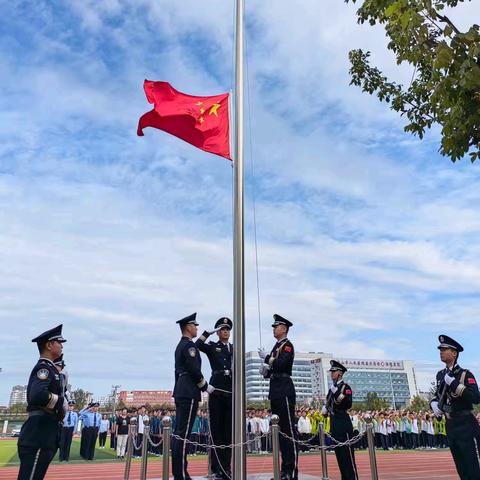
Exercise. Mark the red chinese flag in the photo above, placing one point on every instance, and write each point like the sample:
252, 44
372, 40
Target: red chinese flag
200, 121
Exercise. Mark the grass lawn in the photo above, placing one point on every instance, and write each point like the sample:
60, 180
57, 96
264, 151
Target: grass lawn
8, 453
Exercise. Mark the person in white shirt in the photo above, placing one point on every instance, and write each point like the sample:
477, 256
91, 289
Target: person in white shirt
265, 428
140, 429
304, 429
414, 432
257, 430
102, 431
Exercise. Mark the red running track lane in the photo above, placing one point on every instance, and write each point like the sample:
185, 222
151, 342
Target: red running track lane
391, 466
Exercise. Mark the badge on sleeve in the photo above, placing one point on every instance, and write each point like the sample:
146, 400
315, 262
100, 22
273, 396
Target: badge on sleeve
348, 392
42, 374
192, 351
471, 381
288, 349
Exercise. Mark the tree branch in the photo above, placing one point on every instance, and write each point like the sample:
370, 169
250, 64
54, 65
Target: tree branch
445, 19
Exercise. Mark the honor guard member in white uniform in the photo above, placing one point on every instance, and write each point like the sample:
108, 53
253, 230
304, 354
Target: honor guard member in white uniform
189, 383
339, 401
46, 406
277, 367
456, 392
220, 403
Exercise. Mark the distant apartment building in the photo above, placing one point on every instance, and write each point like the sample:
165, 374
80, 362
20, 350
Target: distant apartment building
18, 395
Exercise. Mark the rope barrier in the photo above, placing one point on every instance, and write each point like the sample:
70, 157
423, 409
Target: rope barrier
337, 444
305, 443
208, 445
135, 446
150, 440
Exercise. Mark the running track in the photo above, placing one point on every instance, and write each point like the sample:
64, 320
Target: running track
391, 466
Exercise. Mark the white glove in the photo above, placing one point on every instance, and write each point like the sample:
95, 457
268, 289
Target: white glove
437, 412
65, 375
210, 389
333, 389
324, 410
262, 353
448, 379
65, 405
215, 330
68, 396
264, 369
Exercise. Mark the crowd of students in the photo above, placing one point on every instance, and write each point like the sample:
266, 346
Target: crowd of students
394, 429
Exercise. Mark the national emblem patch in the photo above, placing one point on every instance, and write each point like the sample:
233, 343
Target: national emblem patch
288, 349
42, 374
192, 351
471, 381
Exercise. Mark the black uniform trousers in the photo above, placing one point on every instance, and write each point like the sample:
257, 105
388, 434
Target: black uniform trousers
88, 442
341, 429
113, 440
84, 443
461, 434
34, 462
220, 411
65, 443
186, 410
285, 409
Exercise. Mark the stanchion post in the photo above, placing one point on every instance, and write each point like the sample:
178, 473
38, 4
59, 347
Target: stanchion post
323, 451
132, 430
146, 431
275, 447
371, 447
209, 458
167, 426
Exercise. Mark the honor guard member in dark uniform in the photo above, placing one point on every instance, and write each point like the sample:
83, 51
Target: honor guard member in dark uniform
278, 368
189, 383
220, 403
46, 408
456, 392
339, 401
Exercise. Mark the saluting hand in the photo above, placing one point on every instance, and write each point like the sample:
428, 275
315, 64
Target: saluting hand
215, 330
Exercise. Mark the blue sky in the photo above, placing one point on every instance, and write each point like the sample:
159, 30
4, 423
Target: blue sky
367, 238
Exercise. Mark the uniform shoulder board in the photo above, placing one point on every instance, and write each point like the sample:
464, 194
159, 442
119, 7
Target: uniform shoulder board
43, 373
192, 351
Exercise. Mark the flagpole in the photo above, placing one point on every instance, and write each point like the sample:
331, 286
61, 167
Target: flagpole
239, 427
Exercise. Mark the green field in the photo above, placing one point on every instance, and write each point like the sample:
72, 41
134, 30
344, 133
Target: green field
8, 453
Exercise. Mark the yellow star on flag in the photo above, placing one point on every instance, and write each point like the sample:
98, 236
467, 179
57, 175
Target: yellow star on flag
213, 110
